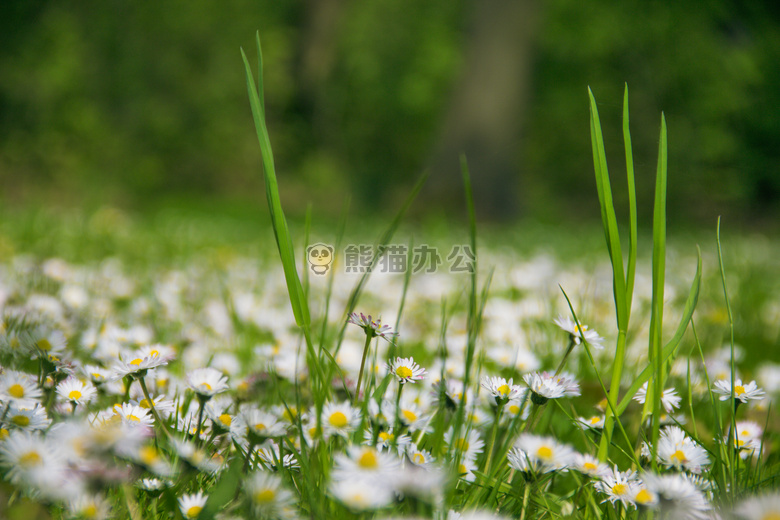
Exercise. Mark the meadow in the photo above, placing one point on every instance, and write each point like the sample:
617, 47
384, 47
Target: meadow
195, 365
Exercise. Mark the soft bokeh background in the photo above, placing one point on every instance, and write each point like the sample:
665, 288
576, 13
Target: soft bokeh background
143, 104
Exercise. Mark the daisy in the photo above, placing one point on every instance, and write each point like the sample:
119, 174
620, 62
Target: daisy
76, 391
191, 505
19, 388
339, 419
469, 443
133, 415
96, 374
364, 462
589, 465
678, 497
501, 389
669, 398
742, 392
541, 454
372, 328
595, 422
47, 343
149, 457
138, 364
361, 495
32, 461
261, 425
763, 507
386, 440
549, 386
165, 407
677, 450
405, 370
269, 454
28, 419
410, 413
206, 382
92, 507
267, 495
419, 457
153, 485
194, 456
619, 486
576, 333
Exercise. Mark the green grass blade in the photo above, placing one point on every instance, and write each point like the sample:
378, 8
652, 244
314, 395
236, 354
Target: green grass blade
672, 345
284, 244
632, 234
657, 304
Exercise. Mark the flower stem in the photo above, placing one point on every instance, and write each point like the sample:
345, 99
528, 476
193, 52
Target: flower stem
566, 355
362, 366
151, 405
499, 409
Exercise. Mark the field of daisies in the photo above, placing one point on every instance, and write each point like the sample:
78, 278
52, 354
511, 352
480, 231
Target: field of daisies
182, 368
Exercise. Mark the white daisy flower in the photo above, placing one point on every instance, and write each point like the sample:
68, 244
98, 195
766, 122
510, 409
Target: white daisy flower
28, 419
405, 370
677, 450
269, 454
592, 337
619, 486
594, 422
97, 374
191, 505
466, 469
678, 496
133, 415
153, 484
762, 507
262, 425
386, 440
410, 413
540, 454
206, 382
469, 443
165, 407
32, 461
372, 328
362, 462
501, 389
76, 391
419, 457
267, 495
47, 343
19, 388
361, 495
549, 386
748, 430
742, 392
339, 419
139, 362
669, 398
92, 507
589, 465
195, 456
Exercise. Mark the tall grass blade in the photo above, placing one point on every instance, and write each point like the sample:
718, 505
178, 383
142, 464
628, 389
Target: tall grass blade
632, 218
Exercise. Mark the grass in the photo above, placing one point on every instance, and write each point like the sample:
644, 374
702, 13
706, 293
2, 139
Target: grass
294, 435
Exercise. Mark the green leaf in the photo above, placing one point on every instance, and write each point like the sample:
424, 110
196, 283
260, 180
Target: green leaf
224, 491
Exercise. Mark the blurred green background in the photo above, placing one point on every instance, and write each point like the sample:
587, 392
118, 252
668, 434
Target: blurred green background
141, 104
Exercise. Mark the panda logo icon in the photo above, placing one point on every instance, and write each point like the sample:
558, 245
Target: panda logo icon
320, 256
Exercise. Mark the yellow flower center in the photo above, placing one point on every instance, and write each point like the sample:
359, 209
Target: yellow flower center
503, 390
771, 515
514, 409
96, 376
740, 443
74, 395
148, 455
590, 466
90, 511
462, 444
4, 433
31, 458
44, 344
739, 390
409, 415
338, 419
136, 361
21, 420
16, 390
745, 433
145, 404
193, 511
644, 497
678, 457
154, 353
462, 469
418, 458
368, 460
132, 417
205, 386
264, 496
544, 453
385, 436
595, 420
619, 489
226, 419
403, 372
260, 426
